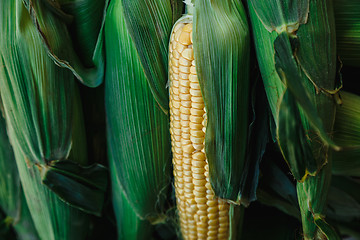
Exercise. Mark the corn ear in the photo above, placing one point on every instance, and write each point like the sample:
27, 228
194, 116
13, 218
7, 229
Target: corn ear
294, 75
221, 49
202, 129
138, 135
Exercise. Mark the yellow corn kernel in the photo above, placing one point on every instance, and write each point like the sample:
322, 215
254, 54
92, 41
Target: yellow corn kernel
202, 216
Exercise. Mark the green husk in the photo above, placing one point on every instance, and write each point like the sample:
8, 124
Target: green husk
347, 19
148, 24
43, 115
287, 33
221, 49
128, 223
84, 29
12, 199
70, 32
137, 126
346, 133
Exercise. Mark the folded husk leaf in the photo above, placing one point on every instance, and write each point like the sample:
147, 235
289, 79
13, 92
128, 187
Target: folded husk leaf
12, 199
221, 49
64, 27
138, 128
293, 31
42, 112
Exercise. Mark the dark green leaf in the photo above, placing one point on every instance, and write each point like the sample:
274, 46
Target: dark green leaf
290, 74
81, 187
150, 32
138, 129
281, 16
41, 108
221, 46
326, 229
312, 196
293, 141
57, 39
129, 225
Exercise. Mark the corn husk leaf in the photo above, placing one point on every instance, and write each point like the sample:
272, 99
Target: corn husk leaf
221, 48
312, 197
311, 87
84, 29
53, 218
146, 28
38, 96
296, 147
257, 142
288, 71
52, 19
347, 20
137, 126
129, 225
276, 190
12, 199
62, 177
40, 106
287, 64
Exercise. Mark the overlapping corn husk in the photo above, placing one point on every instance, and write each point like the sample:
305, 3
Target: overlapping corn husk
70, 32
44, 119
222, 51
12, 200
347, 19
299, 83
136, 39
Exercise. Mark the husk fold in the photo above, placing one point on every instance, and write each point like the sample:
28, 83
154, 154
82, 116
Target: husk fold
70, 32
221, 49
12, 200
44, 119
299, 83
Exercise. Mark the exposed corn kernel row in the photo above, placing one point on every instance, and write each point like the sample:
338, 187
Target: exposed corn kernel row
201, 215
175, 131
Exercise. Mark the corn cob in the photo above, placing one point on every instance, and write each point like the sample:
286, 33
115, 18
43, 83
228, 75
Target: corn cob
202, 214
